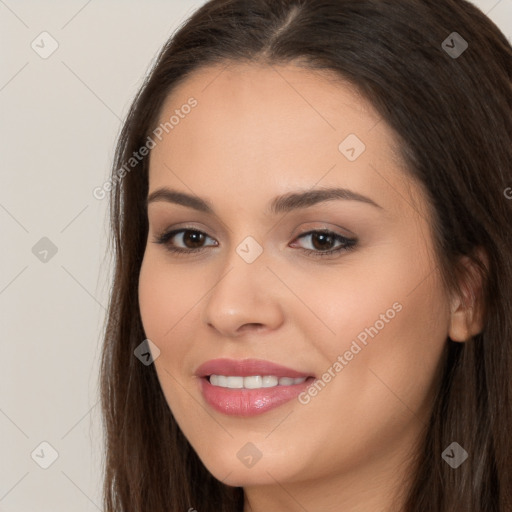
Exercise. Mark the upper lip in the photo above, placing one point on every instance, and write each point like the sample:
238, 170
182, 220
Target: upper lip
246, 368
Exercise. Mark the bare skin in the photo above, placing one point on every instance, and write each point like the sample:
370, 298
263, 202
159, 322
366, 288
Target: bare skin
258, 132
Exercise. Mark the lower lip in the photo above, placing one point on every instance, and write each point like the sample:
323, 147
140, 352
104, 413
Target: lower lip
249, 402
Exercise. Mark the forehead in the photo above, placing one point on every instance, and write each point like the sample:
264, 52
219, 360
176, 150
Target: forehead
261, 99
265, 129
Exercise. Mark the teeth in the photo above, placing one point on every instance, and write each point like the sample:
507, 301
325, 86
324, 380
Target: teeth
269, 381
253, 382
234, 382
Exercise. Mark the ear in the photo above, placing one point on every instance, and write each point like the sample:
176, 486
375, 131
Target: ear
467, 307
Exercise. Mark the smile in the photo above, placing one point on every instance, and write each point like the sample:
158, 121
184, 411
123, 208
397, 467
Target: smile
253, 381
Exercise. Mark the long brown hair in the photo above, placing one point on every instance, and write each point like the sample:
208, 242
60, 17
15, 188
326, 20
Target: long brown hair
453, 117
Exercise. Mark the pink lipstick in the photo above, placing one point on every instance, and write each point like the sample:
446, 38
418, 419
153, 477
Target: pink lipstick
249, 387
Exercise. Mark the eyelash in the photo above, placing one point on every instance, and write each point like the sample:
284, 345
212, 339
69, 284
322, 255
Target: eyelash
347, 243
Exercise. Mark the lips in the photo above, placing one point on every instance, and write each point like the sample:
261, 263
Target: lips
247, 368
248, 402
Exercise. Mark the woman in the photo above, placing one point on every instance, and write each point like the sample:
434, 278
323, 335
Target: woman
312, 299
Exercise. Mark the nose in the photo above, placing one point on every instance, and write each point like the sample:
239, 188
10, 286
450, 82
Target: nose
245, 297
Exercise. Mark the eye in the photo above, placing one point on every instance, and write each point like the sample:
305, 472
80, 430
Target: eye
192, 241
323, 241
191, 238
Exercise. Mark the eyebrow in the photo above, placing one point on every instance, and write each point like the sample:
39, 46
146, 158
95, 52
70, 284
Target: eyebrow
280, 204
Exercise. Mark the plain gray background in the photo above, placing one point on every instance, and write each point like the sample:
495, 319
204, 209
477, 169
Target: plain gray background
60, 116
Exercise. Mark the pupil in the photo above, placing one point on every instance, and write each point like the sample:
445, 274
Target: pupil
322, 236
196, 238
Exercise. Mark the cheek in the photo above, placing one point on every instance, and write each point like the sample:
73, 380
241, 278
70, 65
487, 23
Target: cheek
166, 296
154, 299
390, 334
166, 301
390, 322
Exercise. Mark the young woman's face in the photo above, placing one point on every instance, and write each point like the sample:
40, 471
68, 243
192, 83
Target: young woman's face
367, 323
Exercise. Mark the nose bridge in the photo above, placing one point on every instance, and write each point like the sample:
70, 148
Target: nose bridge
243, 293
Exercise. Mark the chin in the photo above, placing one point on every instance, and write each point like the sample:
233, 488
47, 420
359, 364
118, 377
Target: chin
245, 477
263, 472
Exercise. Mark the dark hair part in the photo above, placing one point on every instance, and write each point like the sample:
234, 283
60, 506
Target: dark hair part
453, 119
